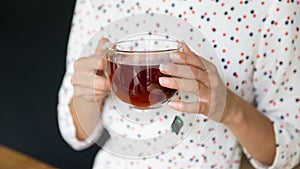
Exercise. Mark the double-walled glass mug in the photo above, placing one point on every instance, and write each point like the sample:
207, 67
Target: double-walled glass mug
133, 70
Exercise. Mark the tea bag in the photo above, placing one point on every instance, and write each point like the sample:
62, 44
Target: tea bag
177, 125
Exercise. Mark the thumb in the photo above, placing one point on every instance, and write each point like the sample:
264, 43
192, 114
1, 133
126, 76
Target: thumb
100, 53
100, 50
102, 65
186, 48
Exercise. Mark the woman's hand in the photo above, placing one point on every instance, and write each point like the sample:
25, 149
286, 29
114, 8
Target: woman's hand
193, 74
90, 89
88, 79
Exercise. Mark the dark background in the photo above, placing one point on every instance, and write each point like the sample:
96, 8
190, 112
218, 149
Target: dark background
34, 36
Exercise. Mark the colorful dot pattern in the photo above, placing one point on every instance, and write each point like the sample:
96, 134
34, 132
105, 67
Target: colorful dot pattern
258, 45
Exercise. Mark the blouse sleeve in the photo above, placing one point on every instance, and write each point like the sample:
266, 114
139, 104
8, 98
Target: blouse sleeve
277, 80
80, 34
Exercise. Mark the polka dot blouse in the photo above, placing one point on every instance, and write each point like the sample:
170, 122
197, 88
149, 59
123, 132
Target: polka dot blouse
259, 48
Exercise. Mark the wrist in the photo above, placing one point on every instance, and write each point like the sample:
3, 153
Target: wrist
92, 105
86, 115
233, 114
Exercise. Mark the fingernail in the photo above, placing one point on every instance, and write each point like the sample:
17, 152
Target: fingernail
164, 81
174, 56
164, 67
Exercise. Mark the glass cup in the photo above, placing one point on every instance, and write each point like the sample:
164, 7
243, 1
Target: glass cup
133, 70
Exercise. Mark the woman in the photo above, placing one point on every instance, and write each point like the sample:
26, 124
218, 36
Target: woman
259, 42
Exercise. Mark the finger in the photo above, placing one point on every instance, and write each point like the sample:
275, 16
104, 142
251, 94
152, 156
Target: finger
101, 47
89, 94
190, 107
80, 91
189, 59
78, 77
185, 71
102, 65
96, 61
186, 48
101, 83
86, 91
88, 80
89, 63
100, 53
186, 85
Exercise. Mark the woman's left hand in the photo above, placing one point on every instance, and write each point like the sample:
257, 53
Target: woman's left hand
193, 74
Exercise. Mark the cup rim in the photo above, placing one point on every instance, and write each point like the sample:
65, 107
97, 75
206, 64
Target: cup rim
109, 47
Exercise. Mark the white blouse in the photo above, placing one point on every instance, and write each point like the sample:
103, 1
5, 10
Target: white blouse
259, 48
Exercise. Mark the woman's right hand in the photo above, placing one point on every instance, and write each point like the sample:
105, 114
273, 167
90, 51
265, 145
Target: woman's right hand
88, 79
90, 89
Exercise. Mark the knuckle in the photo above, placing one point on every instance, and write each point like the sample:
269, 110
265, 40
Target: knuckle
80, 60
215, 80
173, 68
102, 43
101, 40
100, 83
107, 84
184, 107
214, 68
199, 107
184, 57
177, 83
97, 82
206, 109
187, 71
212, 75
196, 73
85, 59
72, 79
202, 109
195, 87
97, 98
211, 68
82, 93
78, 63
78, 93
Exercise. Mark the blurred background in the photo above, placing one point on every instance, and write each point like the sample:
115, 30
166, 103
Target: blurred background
33, 41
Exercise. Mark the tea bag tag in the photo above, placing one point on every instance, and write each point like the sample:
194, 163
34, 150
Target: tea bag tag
177, 125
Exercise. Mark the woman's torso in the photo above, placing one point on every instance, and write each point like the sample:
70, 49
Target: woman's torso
234, 30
